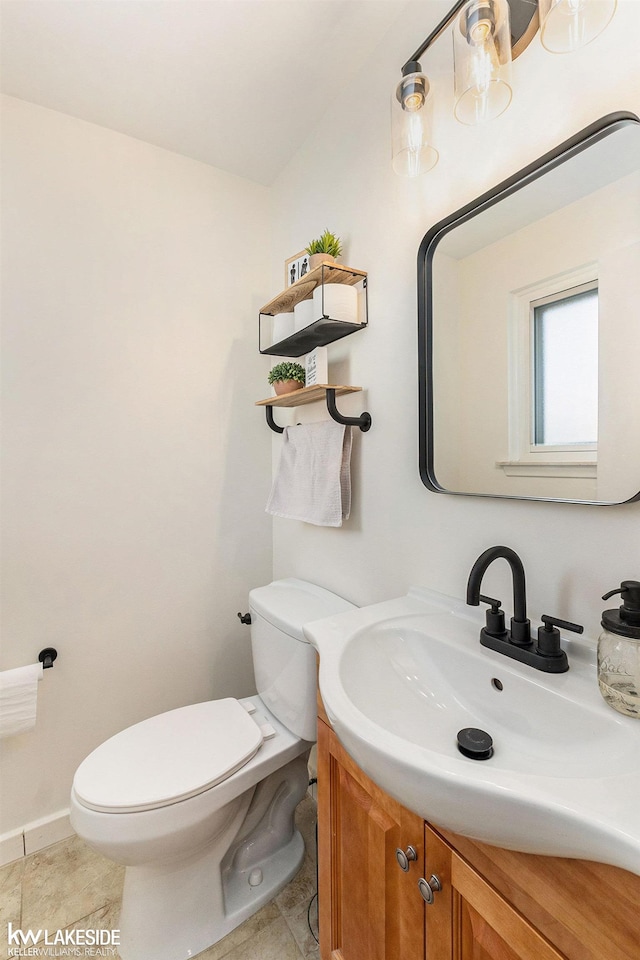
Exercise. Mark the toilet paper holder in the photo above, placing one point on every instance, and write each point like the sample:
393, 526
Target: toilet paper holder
47, 656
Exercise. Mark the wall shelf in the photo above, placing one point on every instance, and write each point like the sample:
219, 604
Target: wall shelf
325, 329
306, 395
309, 395
317, 334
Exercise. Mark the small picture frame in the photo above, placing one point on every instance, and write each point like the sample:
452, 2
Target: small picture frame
296, 267
316, 367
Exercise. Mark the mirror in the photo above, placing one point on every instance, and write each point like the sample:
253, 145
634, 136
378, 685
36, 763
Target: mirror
529, 336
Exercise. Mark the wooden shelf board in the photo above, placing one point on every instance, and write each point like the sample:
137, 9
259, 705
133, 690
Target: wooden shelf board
285, 301
306, 395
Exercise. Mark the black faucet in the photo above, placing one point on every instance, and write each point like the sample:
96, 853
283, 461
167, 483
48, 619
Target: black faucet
517, 643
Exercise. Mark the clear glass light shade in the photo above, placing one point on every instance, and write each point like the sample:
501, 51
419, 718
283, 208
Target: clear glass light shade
411, 122
482, 61
567, 25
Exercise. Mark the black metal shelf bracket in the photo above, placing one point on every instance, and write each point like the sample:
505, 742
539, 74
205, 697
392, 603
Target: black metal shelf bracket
363, 421
274, 426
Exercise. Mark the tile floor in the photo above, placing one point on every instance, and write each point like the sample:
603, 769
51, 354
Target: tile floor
67, 885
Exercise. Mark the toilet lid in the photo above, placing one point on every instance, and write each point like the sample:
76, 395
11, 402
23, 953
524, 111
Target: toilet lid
168, 758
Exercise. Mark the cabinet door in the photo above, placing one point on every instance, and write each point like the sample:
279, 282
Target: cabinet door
470, 920
369, 908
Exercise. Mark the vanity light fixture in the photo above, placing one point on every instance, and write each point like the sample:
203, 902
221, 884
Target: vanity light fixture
487, 35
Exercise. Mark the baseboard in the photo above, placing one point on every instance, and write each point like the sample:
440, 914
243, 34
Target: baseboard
11, 847
35, 836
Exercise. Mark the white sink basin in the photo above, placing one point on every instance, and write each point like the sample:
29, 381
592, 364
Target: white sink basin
399, 680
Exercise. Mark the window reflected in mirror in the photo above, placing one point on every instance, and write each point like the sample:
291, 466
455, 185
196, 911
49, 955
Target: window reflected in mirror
564, 331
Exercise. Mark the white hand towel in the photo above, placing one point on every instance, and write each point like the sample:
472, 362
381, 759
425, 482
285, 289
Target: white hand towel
18, 699
313, 480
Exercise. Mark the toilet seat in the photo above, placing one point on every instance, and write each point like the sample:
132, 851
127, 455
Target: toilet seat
168, 758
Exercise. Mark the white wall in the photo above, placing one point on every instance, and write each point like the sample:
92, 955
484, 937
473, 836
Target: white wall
136, 466
620, 272
401, 534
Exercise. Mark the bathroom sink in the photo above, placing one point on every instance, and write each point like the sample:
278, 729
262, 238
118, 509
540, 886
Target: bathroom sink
399, 680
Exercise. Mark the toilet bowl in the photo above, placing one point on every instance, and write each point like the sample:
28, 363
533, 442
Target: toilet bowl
198, 803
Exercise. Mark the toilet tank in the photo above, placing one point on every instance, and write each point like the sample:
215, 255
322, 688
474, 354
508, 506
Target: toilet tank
283, 660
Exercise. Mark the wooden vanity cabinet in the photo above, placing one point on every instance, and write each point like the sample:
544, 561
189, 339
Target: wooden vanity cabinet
493, 904
469, 919
368, 908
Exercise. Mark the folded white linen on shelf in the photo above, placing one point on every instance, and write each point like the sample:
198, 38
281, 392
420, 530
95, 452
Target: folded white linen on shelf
313, 479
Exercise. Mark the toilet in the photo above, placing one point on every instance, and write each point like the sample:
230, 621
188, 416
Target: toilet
199, 802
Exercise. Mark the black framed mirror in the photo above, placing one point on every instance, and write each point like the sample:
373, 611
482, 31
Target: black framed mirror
528, 329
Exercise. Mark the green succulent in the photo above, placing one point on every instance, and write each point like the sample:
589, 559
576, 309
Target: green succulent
326, 243
287, 371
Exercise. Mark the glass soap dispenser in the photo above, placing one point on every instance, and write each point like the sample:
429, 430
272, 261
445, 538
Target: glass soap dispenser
619, 651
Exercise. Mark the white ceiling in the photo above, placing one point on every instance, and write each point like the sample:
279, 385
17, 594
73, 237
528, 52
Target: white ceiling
237, 84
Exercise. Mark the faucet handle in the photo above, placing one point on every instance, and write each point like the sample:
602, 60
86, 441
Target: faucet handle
551, 622
549, 635
495, 617
494, 604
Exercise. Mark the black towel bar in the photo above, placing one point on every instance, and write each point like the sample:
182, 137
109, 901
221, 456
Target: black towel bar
363, 421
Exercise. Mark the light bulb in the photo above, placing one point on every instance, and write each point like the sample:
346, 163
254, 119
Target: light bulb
479, 33
411, 109
478, 21
412, 92
414, 134
482, 61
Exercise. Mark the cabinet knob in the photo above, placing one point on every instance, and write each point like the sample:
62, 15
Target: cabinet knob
429, 888
404, 857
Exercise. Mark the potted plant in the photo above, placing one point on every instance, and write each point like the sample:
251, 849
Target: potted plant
286, 377
326, 248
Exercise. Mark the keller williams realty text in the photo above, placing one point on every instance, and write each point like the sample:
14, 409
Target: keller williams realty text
61, 938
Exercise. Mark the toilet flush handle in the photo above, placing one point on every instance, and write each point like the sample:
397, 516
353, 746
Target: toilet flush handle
244, 618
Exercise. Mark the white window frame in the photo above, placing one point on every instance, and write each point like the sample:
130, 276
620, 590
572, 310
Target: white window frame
525, 457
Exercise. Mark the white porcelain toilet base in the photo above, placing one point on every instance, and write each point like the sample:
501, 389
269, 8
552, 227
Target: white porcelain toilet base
197, 918
174, 910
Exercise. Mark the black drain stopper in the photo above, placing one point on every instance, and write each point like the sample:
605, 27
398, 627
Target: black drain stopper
475, 744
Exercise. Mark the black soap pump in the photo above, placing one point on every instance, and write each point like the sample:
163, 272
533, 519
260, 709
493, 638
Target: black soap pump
619, 651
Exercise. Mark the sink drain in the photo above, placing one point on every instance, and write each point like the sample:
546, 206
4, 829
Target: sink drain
475, 744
